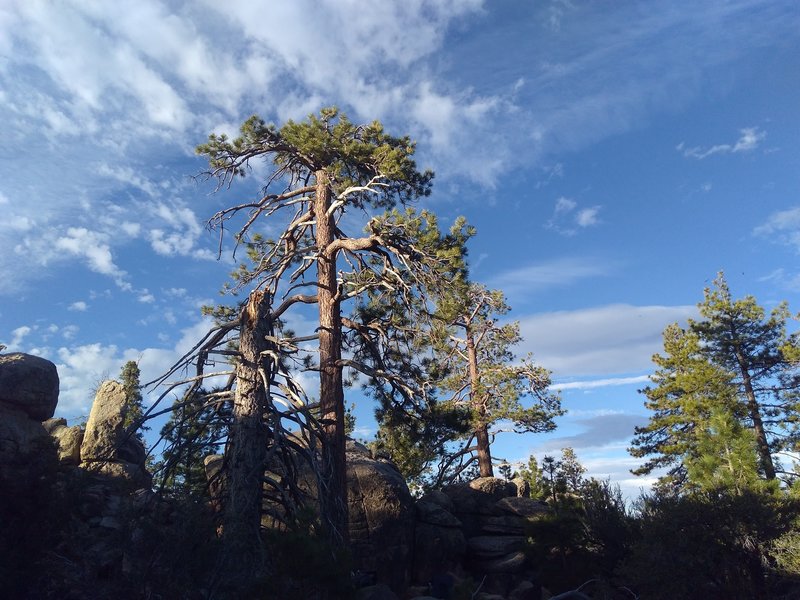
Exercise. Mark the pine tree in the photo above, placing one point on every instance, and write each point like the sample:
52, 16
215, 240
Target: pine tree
194, 431
687, 388
571, 471
725, 457
474, 357
534, 476
321, 169
728, 379
738, 336
134, 409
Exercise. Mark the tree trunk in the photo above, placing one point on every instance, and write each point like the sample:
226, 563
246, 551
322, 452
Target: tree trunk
481, 429
764, 454
333, 496
243, 556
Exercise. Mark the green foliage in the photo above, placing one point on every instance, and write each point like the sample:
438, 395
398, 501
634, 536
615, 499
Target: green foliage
561, 480
725, 456
134, 409
713, 544
586, 539
194, 431
352, 155
534, 476
474, 364
725, 388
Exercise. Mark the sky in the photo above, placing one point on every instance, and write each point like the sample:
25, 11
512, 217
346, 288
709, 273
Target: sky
614, 156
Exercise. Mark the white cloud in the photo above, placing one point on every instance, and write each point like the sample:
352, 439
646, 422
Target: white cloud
587, 217
598, 383
81, 367
94, 247
749, 140
564, 205
17, 336
547, 275
127, 175
68, 332
178, 232
782, 226
600, 341
79, 306
3, 198
567, 218
146, 297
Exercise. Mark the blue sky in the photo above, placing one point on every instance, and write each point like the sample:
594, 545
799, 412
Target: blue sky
613, 156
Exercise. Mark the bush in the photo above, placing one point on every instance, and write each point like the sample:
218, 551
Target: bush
707, 545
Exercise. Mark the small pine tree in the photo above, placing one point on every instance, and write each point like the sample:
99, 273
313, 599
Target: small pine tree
134, 408
571, 471
535, 478
192, 433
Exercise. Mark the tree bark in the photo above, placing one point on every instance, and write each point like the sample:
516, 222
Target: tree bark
481, 430
243, 556
333, 496
764, 454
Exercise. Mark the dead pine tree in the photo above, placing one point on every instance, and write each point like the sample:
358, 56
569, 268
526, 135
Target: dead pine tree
246, 452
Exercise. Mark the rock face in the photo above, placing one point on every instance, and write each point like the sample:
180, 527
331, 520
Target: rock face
19, 434
104, 429
381, 518
106, 448
30, 384
439, 544
494, 517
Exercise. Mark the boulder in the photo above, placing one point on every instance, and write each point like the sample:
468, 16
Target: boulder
107, 449
50, 425
523, 487
30, 384
528, 508
526, 590
381, 514
105, 428
495, 546
476, 500
19, 434
480, 495
69, 440
134, 476
504, 525
428, 512
440, 498
439, 542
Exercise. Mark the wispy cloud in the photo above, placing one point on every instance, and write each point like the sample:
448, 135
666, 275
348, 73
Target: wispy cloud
597, 432
94, 247
79, 306
599, 383
748, 141
783, 227
601, 341
550, 274
568, 218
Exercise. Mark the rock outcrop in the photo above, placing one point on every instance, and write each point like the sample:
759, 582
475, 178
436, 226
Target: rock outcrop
107, 448
30, 384
68, 439
28, 396
494, 519
382, 518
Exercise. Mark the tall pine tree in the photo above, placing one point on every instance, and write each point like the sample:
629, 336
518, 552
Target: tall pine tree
725, 384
